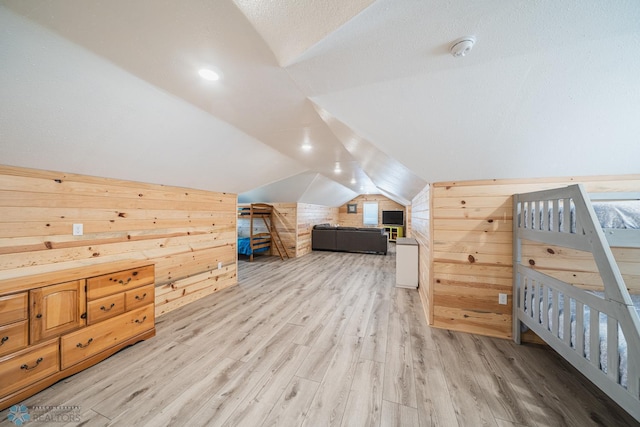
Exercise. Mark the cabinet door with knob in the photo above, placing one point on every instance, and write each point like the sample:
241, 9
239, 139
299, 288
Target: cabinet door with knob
56, 309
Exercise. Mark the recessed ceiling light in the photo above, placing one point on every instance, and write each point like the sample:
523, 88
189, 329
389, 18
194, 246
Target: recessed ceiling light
209, 74
306, 146
337, 170
353, 180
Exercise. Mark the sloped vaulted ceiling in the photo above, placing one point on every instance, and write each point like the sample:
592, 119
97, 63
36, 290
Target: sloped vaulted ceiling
110, 88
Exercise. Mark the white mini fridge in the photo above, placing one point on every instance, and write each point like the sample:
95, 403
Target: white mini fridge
406, 263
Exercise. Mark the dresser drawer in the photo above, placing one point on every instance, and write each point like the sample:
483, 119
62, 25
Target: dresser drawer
93, 339
101, 286
13, 337
138, 297
28, 366
13, 308
105, 308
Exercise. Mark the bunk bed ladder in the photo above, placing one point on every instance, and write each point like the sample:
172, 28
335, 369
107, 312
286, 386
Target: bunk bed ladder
275, 237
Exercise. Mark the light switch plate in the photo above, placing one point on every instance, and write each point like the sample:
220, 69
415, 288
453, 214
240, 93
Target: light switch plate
78, 230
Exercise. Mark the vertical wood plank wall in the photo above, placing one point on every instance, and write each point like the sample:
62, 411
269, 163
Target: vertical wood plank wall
308, 216
421, 231
185, 232
355, 220
472, 248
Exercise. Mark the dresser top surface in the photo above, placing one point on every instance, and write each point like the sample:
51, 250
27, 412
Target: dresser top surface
48, 275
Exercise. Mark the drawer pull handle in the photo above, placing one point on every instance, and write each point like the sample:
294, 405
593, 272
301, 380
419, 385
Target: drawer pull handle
39, 316
103, 308
141, 321
80, 345
140, 298
27, 368
122, 282
3, 340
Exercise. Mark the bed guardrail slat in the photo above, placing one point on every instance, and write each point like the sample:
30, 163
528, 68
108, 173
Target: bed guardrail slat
523, 291
546, 219
534, 301
633, 378
566, 213
556, 318
555, 219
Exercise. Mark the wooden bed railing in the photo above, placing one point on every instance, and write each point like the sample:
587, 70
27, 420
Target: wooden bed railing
564, 217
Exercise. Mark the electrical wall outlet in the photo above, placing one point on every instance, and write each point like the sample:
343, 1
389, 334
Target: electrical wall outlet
219, 266
78, 230
502, 299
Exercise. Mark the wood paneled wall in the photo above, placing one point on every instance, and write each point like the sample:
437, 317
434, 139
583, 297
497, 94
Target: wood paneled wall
472, 248
185, 232
421, 231
308, 216
355, 220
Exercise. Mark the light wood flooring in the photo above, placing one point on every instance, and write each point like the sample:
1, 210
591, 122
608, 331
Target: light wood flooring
325, 339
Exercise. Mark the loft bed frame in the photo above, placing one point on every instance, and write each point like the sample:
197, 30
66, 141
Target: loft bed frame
589, 329
259, 242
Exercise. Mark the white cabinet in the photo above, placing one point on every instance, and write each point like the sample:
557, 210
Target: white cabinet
406, 263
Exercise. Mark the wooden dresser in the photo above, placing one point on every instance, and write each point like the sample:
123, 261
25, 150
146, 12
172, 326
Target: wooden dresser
58, 323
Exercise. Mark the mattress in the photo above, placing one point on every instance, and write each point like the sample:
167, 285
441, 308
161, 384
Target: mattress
622, 214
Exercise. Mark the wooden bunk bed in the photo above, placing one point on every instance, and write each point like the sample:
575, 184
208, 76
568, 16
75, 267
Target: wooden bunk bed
591, 319
260, 241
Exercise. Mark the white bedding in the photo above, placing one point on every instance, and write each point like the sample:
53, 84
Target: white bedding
620, 214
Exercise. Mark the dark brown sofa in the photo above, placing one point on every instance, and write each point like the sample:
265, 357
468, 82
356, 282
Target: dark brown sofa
325, 237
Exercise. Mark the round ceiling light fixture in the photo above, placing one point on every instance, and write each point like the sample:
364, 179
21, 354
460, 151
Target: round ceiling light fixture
462, 46
209, 74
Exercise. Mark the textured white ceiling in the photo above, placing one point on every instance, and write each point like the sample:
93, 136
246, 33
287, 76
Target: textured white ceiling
371, 84
310, 21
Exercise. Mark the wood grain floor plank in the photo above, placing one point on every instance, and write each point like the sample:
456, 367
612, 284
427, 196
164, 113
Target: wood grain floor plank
364, 405
317, 363
501, 394
220, 404
399, 379
467, 396
292, 407
182, 407
256, 406
375, 341
328, 405
396, 415
432, 393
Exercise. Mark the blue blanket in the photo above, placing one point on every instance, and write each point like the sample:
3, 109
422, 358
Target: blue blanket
244, 246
